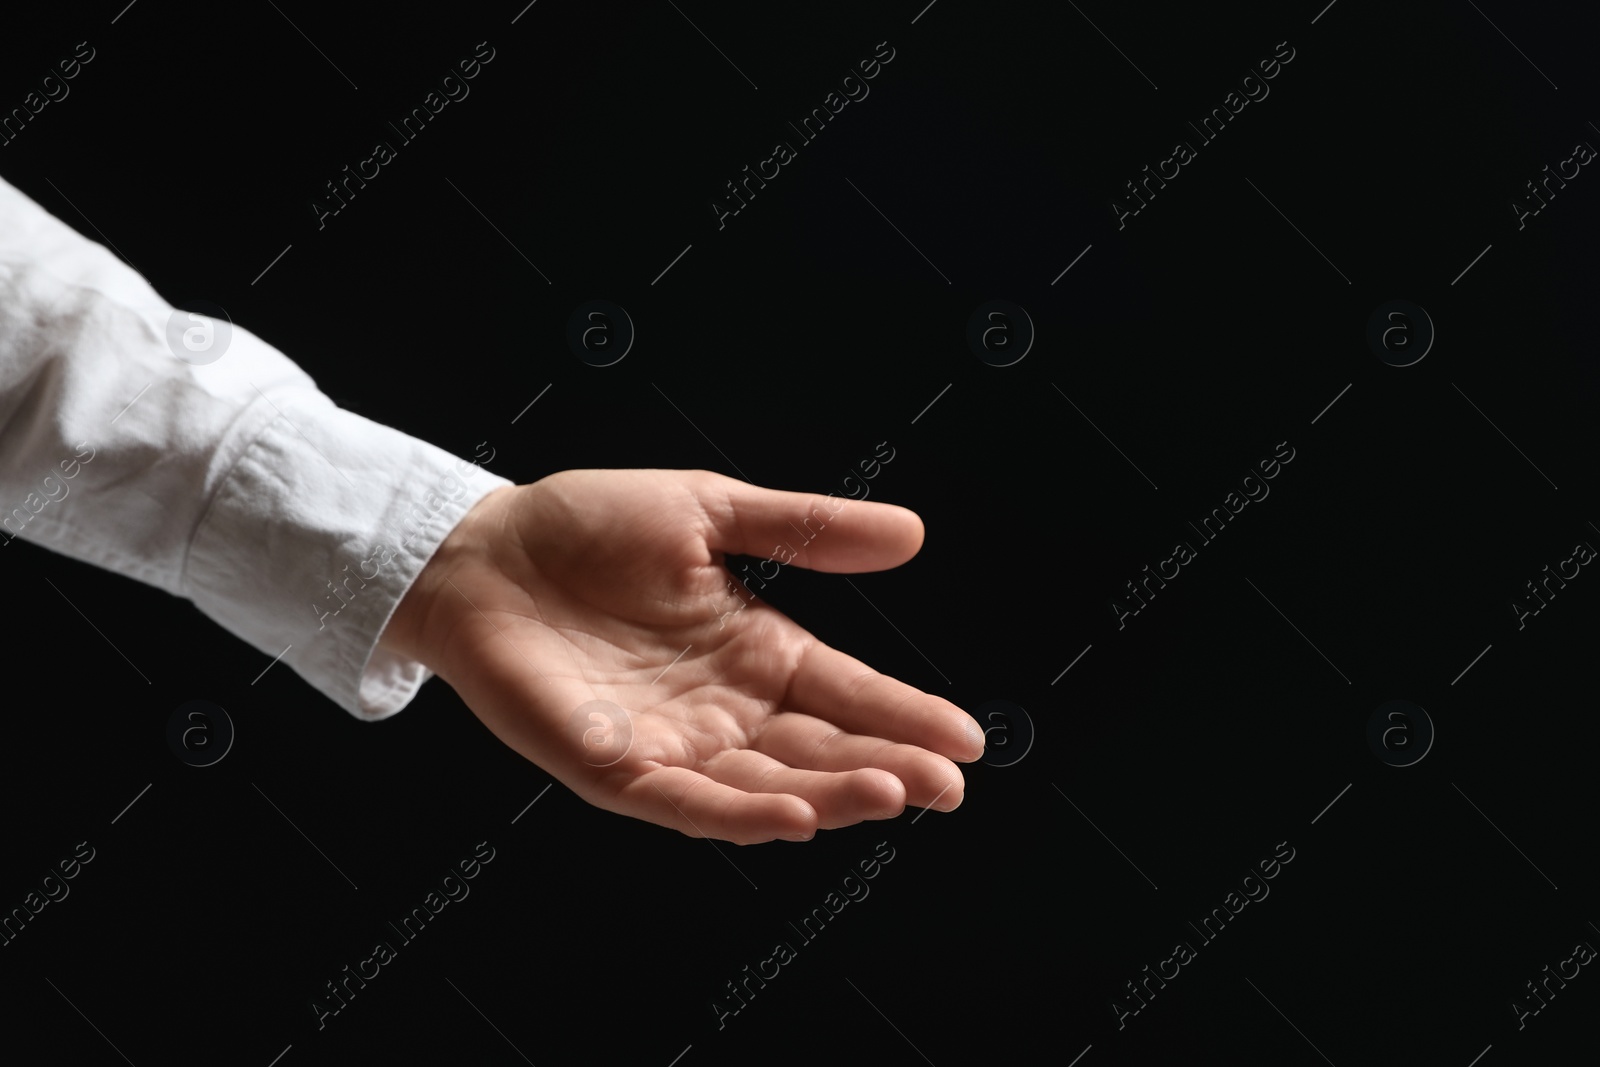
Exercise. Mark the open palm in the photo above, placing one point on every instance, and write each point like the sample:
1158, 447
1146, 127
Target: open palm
588, 620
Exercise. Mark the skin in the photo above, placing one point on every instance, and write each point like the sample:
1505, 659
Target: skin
732, 721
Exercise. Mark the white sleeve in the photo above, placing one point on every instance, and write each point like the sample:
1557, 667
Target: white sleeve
234, 483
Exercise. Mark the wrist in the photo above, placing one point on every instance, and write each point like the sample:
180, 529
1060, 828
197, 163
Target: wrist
422, 623
402, 634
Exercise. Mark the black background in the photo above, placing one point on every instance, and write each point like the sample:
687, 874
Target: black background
1176, 753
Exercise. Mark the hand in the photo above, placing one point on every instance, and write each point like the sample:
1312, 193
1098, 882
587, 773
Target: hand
733, 722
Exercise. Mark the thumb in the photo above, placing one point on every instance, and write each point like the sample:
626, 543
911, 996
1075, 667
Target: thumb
822, 533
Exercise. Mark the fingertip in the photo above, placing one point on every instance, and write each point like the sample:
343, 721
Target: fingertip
892, 528
972, 742
916, 532
797, 819
879, 792
781, 817
904, 533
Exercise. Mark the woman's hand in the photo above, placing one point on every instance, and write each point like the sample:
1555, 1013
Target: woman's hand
588, 620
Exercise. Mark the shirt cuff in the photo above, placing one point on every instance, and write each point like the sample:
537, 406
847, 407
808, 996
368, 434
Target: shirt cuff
315, 535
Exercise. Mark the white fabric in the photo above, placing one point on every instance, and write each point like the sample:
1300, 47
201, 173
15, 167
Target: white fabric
235, 484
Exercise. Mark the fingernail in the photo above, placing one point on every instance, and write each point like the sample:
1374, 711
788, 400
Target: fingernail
801, 836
